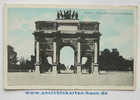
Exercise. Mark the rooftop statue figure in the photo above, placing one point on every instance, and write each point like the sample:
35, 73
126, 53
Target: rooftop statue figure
67, 14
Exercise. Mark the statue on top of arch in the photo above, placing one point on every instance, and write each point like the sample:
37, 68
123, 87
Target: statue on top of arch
67, 14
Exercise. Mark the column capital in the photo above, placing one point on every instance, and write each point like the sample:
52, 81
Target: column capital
78, 40
96, 40
54, 40
36, 38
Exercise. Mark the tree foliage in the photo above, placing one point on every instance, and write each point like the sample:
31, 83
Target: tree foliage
24, 64
111, 60
12, 55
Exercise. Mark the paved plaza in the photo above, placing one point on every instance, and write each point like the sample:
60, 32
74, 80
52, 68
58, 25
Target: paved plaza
67, 79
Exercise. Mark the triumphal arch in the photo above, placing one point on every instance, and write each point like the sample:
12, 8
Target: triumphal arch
67, 30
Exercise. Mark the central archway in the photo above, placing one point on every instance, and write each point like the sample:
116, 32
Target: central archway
67, 56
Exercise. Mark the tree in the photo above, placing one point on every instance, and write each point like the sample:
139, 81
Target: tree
105, 52
115, 52
22, 61
12, 59
12, 55
111, 60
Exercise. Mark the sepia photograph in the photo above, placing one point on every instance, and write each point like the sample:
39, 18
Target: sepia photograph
70, 47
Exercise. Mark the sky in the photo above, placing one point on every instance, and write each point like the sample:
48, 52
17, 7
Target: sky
116, 27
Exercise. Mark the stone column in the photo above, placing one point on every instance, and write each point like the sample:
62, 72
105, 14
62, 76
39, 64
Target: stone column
75, 62
54, 58
37, 57
78, 57
58, 60
95, 67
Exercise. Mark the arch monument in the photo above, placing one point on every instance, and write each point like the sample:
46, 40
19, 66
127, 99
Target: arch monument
67, 30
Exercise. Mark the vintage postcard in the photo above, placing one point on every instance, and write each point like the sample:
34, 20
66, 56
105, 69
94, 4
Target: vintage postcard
70, 47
